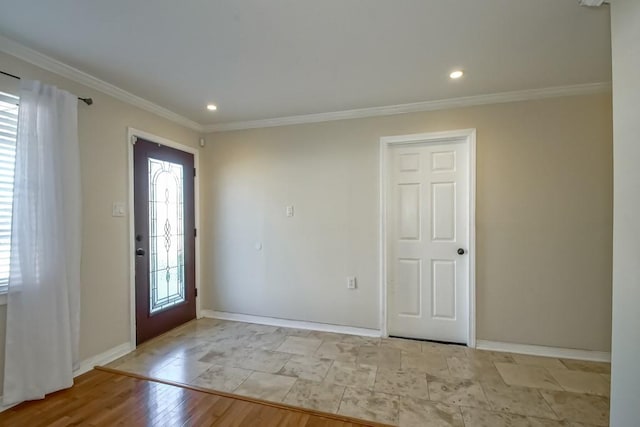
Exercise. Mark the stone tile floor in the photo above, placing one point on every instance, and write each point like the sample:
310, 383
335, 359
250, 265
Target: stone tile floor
394, 381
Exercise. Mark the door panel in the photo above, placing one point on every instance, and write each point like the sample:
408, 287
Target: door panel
428, 221
408, 300
443, 288
443, 211
165, 241
409, 221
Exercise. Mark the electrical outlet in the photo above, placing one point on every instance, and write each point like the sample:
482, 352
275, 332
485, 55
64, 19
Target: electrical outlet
289, 211
351, 283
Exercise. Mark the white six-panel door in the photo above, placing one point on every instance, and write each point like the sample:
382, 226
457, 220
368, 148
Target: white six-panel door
427, 225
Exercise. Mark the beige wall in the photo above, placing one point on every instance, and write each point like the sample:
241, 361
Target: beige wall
103, 151
544, 219
625, 373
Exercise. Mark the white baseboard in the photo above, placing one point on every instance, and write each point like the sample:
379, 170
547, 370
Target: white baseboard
88, 364
103, 358
286, 323
539, 350
5, 407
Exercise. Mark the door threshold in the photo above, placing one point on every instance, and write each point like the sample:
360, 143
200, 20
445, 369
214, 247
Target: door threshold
426, 340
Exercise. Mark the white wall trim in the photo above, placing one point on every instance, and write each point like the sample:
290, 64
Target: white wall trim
538, 350
5, 407
286, 323
442, 104
469, 136
103, 358
88, 364
47, 63
131, 133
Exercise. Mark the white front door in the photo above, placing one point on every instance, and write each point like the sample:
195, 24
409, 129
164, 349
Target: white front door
427, 240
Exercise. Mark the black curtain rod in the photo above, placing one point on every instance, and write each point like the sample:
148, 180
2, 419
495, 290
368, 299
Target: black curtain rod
87, 101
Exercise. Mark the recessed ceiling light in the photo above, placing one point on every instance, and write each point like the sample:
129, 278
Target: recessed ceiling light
456, 74
211, 107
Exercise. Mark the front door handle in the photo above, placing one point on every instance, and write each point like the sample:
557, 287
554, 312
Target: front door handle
460, 251
139, 252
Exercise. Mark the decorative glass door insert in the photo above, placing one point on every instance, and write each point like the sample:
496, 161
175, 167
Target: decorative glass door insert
166, 235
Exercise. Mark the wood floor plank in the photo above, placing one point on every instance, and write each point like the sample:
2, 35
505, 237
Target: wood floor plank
107, 398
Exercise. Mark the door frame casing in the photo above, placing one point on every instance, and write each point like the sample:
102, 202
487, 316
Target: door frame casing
386, 143
132, 134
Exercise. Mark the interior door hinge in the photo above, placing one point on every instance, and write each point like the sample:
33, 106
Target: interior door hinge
195, 232
196, 292
194, 172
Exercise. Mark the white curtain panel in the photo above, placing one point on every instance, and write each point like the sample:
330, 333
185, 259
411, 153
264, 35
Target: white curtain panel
43, 303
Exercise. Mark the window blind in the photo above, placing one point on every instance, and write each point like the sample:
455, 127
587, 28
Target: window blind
8, 132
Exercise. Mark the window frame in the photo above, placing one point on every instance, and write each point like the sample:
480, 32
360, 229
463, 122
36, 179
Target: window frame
8, 89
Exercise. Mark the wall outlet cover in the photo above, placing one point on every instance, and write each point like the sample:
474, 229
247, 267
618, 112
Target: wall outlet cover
118, 209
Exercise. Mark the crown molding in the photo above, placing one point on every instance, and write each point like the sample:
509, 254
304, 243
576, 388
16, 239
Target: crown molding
443, 104
45, 62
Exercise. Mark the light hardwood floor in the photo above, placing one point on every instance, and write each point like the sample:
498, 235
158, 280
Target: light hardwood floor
108, 398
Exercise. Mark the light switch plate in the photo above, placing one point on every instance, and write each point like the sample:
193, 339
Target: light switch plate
118, 209
351, 283
289, 211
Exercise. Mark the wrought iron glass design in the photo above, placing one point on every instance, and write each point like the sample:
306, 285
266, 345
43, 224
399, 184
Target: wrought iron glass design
166, 235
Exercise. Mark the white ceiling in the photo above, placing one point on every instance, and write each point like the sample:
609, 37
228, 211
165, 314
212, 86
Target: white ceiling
260, 59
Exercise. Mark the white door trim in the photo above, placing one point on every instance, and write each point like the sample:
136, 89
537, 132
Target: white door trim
133, 133
469, 136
